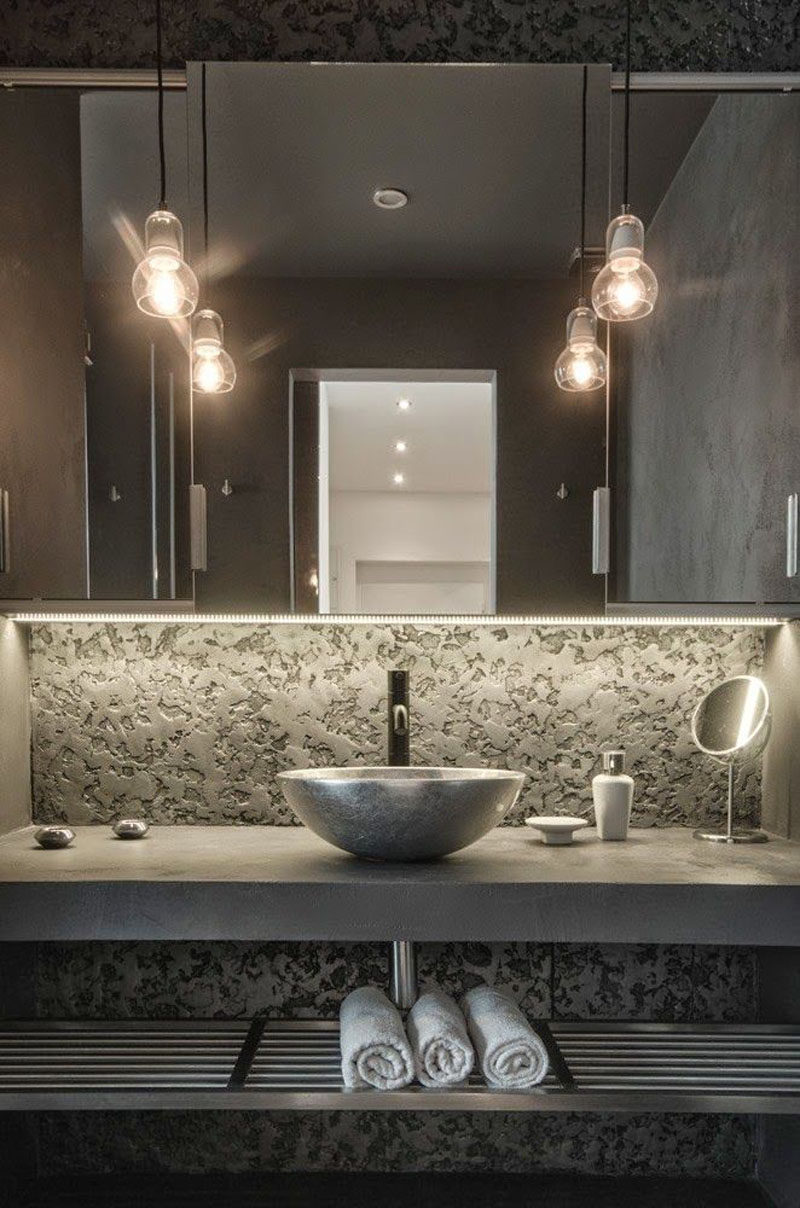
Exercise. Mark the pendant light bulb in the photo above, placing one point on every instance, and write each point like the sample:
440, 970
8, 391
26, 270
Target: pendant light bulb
213, 370
625, 288
163, 284
582, 364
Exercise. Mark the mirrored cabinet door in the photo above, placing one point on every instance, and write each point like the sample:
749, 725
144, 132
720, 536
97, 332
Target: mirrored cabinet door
392, 250
706, 391
42, 451
95, 421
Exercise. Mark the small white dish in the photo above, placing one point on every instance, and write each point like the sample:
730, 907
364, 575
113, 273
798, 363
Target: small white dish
558, 830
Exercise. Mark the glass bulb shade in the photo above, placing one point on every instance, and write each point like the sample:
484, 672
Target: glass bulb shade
163, 284
213, 374
625, 288
208, 332
582, 364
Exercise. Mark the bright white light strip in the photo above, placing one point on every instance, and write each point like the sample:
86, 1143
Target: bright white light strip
194, 618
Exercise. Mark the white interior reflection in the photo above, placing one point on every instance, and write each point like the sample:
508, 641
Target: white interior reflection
407, 497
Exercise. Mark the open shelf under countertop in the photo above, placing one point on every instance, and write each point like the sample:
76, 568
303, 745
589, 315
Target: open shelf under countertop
294, 1065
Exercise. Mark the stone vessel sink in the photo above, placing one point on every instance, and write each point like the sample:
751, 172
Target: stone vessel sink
401, 813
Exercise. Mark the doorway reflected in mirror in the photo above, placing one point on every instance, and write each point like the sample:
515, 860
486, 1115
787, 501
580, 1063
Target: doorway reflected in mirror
402, 519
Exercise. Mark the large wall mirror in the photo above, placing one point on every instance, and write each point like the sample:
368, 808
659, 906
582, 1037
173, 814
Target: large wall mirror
393, 250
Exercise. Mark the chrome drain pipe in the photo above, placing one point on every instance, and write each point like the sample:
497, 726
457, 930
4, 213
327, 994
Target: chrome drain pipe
404, 989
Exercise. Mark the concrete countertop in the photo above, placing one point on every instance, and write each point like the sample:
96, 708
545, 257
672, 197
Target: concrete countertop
229, 882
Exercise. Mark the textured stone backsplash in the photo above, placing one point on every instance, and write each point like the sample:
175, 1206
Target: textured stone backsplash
190, 723
121, 980
506, 1142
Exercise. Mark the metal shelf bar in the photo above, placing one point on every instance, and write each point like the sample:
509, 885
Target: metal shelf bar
294, 1065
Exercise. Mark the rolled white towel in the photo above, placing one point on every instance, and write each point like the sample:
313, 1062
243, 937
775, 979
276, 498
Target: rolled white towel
510, 1053
443, 1053
375, 1049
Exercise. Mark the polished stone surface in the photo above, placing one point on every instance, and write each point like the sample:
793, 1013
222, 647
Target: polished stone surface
191, 723
283, 883
54, 837
272, 855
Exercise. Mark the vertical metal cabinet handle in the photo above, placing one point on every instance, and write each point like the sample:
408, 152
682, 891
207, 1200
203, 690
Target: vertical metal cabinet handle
198, 526
400, 719
5, 534
791, 536
601, 531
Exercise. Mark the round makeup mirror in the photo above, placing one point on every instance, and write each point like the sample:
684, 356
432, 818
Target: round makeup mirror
732, 724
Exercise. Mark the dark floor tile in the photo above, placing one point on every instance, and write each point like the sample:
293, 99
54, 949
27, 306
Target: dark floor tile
393, 1191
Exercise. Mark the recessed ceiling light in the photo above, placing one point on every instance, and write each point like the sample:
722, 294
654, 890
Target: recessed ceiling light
390, 199
398, 480
404, 403
400, 446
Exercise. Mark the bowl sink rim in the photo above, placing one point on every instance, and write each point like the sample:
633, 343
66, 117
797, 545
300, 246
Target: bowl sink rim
381, 774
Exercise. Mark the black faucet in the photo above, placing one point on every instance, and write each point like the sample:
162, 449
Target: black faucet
398, 754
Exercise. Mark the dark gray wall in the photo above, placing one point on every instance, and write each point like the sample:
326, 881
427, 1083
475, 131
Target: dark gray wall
15, 727
674, 35
781, 777
710, 423
544, 436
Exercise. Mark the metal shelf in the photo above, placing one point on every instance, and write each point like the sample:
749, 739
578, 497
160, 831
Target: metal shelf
272, 1065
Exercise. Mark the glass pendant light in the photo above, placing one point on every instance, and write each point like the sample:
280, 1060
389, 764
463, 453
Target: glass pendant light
163, 284
582, 364
625, 288
213, 370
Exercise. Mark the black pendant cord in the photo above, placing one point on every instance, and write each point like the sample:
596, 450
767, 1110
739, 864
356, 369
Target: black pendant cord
583, 183
626, 151
162, 204
204, 122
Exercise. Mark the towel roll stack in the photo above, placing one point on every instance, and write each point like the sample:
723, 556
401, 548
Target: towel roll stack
443, 1053
375, 1050
510, 1053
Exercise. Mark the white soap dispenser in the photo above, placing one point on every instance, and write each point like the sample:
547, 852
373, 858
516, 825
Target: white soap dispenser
612, 791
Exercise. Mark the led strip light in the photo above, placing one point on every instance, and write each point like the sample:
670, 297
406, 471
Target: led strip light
316, 619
